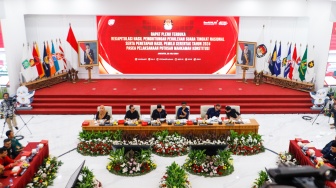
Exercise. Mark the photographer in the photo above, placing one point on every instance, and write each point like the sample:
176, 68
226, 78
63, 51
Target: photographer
7, 108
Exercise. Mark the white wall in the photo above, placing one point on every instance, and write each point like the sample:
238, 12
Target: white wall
300, 21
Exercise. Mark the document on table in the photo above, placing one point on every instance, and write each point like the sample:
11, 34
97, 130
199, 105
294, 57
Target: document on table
246, 120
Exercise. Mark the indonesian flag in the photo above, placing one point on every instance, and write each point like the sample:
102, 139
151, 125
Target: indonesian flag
293, 64
72, 40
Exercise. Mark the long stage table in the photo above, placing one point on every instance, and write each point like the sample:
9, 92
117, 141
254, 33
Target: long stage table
295, 149
22, 181
253, 127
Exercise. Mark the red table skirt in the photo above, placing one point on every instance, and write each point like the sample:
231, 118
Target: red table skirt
305, 160
22, 181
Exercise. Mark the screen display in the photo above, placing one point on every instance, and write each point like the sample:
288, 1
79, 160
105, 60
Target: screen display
167, 44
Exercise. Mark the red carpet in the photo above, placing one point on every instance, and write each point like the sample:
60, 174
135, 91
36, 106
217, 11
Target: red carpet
83, 98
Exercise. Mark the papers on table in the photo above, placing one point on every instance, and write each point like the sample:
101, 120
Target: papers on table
246, 120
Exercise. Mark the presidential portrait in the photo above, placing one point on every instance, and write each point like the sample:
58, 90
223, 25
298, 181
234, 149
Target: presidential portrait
246, 54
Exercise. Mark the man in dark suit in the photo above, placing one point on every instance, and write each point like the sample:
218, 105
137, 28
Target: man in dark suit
88, 55
246, 56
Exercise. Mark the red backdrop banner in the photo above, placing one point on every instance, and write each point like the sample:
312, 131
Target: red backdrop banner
167, 44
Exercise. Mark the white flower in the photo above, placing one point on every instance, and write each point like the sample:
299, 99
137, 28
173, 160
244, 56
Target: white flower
124, 170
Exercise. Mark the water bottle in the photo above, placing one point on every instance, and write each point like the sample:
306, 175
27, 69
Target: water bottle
10, 182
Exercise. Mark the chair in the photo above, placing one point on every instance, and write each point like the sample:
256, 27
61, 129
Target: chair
108, 110
176, 109
153, 107
137, 108
204, 110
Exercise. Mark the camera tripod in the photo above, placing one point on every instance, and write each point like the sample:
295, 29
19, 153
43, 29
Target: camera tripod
25, 124
322, 110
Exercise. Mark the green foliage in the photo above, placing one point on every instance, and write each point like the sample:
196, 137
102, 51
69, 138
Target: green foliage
2, 91
161, 135
104, 135
176, 176
86, 180
263, 177
197, 156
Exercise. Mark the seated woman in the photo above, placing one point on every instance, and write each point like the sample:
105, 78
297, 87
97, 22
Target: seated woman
102, 114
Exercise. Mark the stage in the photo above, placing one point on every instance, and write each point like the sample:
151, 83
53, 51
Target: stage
83, 98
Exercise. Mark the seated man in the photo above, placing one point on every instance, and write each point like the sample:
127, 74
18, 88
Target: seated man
15, 144
5, 161
215, 111
231, 113
132, 114
159, 113
330, 156
183, 112
8, 146
102, 114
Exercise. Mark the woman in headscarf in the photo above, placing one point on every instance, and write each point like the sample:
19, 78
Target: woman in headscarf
102, 114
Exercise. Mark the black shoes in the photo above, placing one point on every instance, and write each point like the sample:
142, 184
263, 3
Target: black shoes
16, 128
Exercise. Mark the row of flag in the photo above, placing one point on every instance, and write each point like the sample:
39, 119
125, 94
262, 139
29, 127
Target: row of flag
52, 61
291, 66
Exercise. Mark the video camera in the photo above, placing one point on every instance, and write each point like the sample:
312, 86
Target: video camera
300, 176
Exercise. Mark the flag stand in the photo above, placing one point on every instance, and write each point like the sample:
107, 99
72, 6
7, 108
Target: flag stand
89, 68
244, 74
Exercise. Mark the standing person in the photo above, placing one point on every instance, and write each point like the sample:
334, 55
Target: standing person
88, 55
246, 56
232, 113
183, 112
132, 113
15, 144
214, 111
7, 108
159, 113
333, 113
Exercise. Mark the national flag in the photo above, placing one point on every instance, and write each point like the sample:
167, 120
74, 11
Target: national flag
293, 64
277, 65
289, 61
273, 60
33, 69
51, 61
61, 56
303, 66
37, 61
53, 53
310, 74
72, 40
46, 65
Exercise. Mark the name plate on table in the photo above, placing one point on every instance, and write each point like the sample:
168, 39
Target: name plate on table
181, 124
229, 124
130, 124
204, 124
156, 124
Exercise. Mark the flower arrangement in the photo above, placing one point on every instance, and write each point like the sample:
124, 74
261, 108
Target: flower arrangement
46, 173
286, 159
87, 179
97, 143
175, 176
259, 182
130, 163
199, 163
170, 145
245, 144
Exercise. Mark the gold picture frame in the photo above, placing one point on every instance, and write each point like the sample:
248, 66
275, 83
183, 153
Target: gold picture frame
246, 54
87, 53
